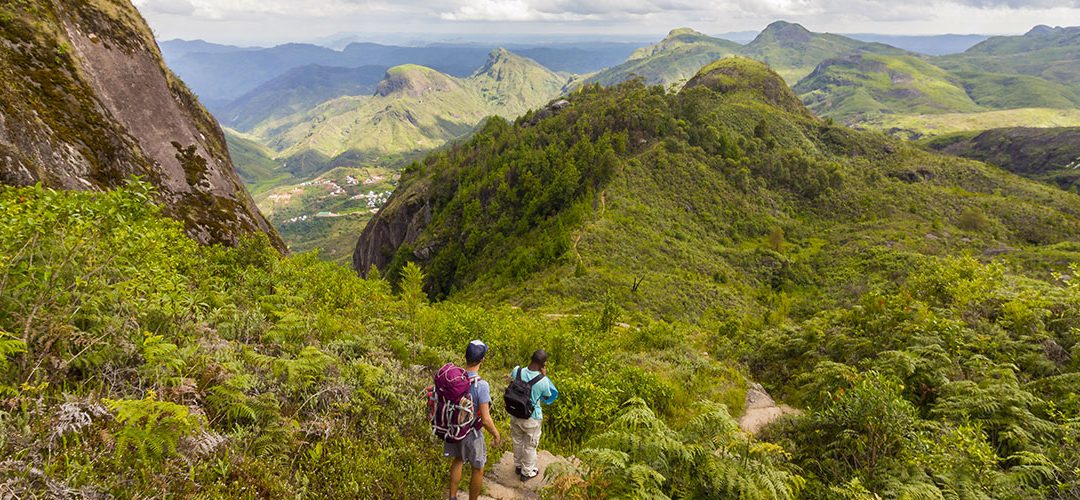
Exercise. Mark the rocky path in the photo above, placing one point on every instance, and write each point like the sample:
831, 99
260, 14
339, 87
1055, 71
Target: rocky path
502, 483
761, 410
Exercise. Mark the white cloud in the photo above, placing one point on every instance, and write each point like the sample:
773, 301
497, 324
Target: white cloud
174, 7
269, 21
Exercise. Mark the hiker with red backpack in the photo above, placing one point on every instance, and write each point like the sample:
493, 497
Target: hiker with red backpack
529, 387
459, 407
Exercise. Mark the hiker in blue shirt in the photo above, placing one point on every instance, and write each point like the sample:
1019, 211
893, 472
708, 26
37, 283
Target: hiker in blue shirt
525, 432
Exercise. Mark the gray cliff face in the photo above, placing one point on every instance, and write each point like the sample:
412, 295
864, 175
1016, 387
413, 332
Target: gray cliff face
398, 224
90, 104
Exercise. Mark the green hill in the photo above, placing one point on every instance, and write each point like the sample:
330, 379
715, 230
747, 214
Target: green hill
1052, 54
683, 189
789, 49
1047, 154
794, 52
413, 109
674, 59
852, 87
513, 85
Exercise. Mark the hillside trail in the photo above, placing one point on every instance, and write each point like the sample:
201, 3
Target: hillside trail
761, 410
502, 483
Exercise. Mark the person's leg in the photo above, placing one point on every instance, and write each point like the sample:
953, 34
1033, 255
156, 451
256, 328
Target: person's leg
476, 483
531, 441
455, 477
518, 438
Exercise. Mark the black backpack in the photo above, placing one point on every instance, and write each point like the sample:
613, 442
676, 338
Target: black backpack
518, 396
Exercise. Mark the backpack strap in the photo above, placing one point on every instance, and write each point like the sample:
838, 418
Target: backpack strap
535, 379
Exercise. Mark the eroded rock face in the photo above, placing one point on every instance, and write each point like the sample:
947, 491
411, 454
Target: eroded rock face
87, 103
399, 223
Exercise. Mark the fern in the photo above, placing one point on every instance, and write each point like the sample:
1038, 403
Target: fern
164, 361
9, 346
150, 428
305, 371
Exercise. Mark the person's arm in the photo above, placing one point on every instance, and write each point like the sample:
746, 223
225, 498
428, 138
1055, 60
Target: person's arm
489, 424
552, 395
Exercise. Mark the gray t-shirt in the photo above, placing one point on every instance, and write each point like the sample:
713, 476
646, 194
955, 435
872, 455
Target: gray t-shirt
481, 391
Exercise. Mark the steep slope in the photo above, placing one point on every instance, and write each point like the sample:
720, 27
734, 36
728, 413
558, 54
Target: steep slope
87, 102
298, 91
512, 84
678, 203
674, 59
860, 84
794, 52
1050, 154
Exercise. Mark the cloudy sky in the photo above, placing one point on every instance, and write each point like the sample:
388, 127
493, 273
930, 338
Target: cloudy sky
275, 21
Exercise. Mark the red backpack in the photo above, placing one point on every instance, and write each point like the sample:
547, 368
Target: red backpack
451, 409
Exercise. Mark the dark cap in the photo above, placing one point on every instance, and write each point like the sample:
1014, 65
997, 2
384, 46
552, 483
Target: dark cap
475, 352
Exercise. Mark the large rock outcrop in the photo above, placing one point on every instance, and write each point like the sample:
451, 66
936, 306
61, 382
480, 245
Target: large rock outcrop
87, 103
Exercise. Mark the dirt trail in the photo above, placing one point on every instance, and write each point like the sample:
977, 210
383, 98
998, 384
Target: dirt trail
502, 483
761, 410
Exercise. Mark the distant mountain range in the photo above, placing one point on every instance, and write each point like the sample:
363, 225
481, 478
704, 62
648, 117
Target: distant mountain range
220, 74
413, 109
300, 110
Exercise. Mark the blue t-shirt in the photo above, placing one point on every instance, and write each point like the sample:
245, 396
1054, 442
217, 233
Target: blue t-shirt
544, 391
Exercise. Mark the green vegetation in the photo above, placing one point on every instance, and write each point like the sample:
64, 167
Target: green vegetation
136, 363
1051, 155
933, 125
794, 52
255, 163
672, 61
866, 84
921, 309
1047, 53
789, 49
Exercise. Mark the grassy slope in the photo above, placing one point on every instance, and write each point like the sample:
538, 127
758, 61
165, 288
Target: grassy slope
297, 91
919, 126
788, 48
794, 52
855, 207
1050, 54
674, 59
853, 87
255, 163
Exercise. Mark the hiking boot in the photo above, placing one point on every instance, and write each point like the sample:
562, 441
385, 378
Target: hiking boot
517, 470
524, 477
